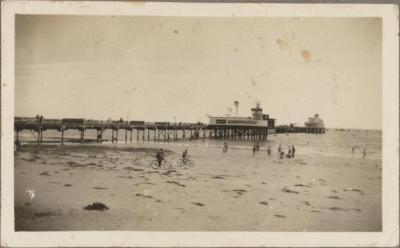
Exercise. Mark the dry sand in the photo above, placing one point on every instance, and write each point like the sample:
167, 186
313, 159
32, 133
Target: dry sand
222, 192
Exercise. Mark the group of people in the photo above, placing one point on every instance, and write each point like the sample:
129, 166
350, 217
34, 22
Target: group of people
364, 152
160, 156
290, 153
256, 148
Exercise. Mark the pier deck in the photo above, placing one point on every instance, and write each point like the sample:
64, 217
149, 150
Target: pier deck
147, 131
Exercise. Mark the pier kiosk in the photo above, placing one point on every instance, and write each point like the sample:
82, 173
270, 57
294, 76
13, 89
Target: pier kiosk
253, 128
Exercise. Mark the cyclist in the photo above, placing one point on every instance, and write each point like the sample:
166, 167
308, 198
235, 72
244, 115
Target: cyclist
160, 156
185, 155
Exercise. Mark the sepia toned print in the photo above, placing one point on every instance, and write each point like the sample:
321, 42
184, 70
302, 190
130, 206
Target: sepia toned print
196, 124
189, 124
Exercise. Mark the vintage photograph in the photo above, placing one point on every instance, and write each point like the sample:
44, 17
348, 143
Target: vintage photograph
189, 124
173, 124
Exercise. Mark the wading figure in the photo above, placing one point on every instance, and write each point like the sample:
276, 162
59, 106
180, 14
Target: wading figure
254, 150
293, 151
269, 151
225, 148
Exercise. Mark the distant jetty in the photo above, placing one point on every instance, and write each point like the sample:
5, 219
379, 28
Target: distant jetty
257, 127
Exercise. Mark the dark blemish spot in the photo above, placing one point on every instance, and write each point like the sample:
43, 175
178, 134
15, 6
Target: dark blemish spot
264, 203
235, 50
280, 216
67, 185
281, 43
176, 31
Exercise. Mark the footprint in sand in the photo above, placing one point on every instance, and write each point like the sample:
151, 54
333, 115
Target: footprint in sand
240, 191
142, 195
67, 185
306, 202
334, 197
218, 177
280, 216
354, 190
198, 204
302, 185
45, 214
344, 209
132, 169
176, 183
44, 173
263, 203
99, 188
130, 177
286, 190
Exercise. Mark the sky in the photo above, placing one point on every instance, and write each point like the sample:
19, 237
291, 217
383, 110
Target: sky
187, 68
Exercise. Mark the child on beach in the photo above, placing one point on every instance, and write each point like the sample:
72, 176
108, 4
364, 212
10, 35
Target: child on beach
254, 150
281, 155
353, 148
269, 151
364, 152
279, 149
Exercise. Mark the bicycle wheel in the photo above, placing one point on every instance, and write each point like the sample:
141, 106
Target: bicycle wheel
155, 165
190, 163
180, 162
166, 165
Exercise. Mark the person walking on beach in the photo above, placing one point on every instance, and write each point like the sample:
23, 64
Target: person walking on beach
364, 152
353, 148
269, 151
293, 151
279, 149
281, 155
225, 148
289, 154
254, 149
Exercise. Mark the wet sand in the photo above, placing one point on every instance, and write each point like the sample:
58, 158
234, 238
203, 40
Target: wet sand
222, 192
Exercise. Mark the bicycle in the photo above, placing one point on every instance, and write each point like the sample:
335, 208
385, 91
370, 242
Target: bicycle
185, 162
164, 164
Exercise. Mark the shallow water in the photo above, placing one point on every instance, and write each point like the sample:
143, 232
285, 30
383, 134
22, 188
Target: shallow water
332, 143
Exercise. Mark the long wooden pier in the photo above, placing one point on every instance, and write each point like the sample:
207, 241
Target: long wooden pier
145, 131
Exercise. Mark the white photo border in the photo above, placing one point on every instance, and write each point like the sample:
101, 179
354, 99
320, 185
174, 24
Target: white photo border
390, 123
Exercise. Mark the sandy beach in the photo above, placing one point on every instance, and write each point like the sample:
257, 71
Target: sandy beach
318, 190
